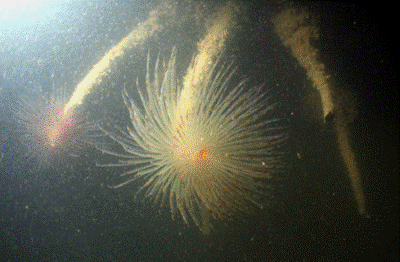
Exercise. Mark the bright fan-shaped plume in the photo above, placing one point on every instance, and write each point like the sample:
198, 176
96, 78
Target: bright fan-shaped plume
211, 160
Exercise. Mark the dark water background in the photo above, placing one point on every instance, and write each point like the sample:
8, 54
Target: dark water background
67, 213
